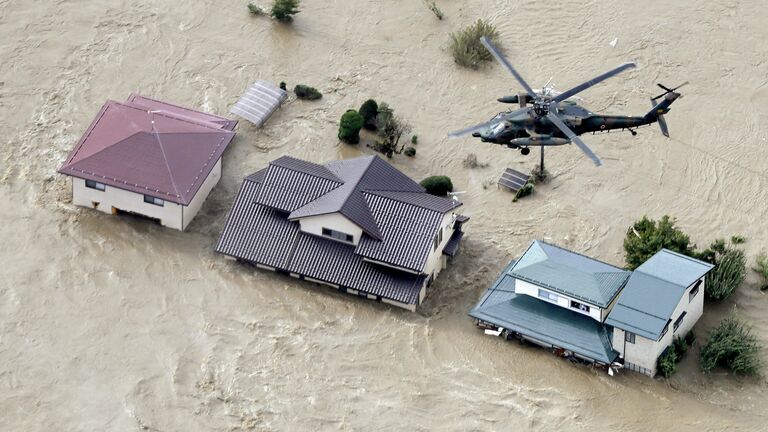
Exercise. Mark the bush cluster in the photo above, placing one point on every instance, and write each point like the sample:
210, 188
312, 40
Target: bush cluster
729, 272
369, 109
306, 92
732, 345
437, 185
284, 10
646, 237
410, 151
349, 127
667, 362
761, 268
465, 45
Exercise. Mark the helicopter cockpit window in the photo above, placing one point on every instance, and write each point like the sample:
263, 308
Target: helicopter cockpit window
500, 127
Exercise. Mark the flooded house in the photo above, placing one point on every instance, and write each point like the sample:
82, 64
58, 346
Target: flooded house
585, 309
149, 158
358, 225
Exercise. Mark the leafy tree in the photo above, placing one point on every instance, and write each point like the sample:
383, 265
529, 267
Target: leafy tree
390, 128
437, 185
732, 345
349, 127
284, 10
646, 237
369, 109
466, 47
306, 92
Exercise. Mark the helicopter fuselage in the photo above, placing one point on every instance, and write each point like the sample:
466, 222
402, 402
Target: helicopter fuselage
528, 129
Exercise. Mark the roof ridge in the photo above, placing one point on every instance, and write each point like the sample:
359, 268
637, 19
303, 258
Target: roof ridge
337, 179
134, 95
169, 114
382, 193
689, 258
582, 255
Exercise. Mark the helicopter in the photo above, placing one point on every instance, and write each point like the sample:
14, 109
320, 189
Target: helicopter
550, 118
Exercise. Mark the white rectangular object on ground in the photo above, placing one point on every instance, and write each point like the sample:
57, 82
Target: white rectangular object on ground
260, 101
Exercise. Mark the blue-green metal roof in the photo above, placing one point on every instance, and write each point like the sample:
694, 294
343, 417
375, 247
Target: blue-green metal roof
570, 273
500, 306
654, 290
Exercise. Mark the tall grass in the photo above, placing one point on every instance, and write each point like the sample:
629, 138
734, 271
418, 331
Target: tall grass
465, 44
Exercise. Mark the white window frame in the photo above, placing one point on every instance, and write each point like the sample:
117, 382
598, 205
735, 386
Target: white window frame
694, 291
629, 337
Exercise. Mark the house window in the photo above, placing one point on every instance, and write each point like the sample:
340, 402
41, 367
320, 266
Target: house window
95, 185
580, 306
546, 295
153, 200
666, 327
629, 337
679, 321
694, 290
338, 235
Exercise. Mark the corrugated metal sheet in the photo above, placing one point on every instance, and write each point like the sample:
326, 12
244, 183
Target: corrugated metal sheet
408, 232
543, 321
259, 102
335, 262
256, 233
570, 273
654, 290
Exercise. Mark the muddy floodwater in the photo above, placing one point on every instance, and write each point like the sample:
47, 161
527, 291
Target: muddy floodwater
117, 324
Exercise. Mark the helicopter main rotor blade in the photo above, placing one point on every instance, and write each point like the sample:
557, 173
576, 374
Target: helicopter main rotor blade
503, 60
487, 124
598, 79
554, 118
668, 90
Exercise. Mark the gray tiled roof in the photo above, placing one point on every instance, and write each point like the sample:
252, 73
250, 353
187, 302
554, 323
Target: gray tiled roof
337, 263
570, 273
263, 235
654, 290
256, 233
408, 232
287, 188
500, 306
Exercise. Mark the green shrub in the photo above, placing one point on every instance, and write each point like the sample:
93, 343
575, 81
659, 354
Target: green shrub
414, 140
732, 345
646, 237
349, 127
435, 10
471, 161
369, 109
255, 9
737, 239
667, 363
284, 10
465, 44
729, 272
410, 151
437, 185
283, 86
306, 92
390, 128
524, 191
762, 269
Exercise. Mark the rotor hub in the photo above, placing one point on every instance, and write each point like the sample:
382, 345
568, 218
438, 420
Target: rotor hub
541, 106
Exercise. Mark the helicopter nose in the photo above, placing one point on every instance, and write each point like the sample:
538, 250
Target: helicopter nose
476, 134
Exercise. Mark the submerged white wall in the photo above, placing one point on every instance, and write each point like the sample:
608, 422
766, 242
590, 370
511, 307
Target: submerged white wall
170, 214
205, 189
645, 352
436, 261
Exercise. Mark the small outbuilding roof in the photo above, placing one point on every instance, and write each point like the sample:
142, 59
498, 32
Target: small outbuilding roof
653, 291
570, 273
542, 321
150, 147
259, 102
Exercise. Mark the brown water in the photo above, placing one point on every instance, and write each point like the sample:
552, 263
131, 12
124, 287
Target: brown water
111, 323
